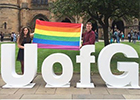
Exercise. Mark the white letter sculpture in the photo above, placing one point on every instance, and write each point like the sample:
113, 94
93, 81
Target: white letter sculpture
130, 77
10, 77
85, 59
50, 77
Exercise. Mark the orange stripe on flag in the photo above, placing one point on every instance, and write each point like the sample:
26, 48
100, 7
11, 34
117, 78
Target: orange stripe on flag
58, 29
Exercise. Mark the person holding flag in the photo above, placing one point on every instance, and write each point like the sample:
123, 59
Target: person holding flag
24, 37
89, 36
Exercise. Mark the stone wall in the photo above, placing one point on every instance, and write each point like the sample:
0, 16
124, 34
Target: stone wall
11, 18
9, 15
9, 2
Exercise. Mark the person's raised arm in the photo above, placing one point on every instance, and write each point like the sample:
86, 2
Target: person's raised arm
31, 35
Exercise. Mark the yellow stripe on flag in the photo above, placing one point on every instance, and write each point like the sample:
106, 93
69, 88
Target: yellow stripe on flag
61, 34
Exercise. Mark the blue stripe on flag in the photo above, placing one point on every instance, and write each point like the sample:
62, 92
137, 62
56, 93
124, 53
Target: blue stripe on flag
52, 42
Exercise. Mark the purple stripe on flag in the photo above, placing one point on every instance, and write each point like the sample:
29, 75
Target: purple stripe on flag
58, 47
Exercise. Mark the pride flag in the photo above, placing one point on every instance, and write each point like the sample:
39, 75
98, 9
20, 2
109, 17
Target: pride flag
57, 35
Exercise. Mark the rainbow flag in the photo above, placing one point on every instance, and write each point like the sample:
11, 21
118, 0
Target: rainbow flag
57, 35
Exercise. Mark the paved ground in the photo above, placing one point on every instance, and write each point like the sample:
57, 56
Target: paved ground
40, 92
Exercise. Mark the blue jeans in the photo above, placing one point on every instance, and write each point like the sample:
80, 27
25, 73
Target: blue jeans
118, 40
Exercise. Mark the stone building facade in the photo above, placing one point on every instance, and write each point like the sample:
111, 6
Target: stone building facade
15, 14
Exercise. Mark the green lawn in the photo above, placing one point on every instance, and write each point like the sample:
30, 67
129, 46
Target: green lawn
43, 53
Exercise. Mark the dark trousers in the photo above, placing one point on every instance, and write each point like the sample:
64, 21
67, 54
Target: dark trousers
22, 66
129, 38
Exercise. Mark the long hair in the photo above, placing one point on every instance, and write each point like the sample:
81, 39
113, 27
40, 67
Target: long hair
21, 36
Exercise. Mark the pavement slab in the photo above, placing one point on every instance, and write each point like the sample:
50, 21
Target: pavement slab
8, 91
72, 91
47, 96
117, 91
11, 96
97, 80
131, 96
75, 79
27, 91
43, 90
134, 91
39, 80
99, 90
97, 96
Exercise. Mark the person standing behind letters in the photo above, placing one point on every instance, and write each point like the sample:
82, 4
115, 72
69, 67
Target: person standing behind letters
2, 36
89, 36
14, 37
24, 37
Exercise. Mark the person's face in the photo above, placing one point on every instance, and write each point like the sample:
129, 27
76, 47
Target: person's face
88, 27
25, 31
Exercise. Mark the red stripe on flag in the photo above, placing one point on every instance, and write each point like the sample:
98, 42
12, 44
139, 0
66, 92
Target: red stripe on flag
58, 24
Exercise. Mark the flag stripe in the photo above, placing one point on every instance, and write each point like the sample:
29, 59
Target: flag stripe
57, 35
61, 34
52, 42
56, 38
58, 29
58, 24
58, 47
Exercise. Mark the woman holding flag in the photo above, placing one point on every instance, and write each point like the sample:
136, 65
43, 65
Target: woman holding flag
24, 37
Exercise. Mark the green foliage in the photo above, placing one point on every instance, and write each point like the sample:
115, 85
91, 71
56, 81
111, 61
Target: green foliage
96, 8
99, 10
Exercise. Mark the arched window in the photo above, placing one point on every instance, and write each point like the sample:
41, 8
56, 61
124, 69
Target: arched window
118, 24
66, 20
40, 2
5, 25
40, 17
34, 1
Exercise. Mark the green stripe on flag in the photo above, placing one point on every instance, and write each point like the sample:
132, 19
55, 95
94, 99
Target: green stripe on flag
56, 38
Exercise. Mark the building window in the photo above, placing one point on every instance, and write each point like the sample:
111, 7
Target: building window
5, 25
40, 2
33, 1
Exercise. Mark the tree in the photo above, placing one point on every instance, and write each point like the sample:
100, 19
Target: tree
99, 10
